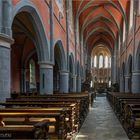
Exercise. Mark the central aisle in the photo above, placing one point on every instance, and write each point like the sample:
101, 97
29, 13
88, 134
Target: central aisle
101, 123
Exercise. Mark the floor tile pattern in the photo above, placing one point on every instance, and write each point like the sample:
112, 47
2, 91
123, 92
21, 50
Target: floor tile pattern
101, 123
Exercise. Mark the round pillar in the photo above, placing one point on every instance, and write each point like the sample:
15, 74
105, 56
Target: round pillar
136, 82
5, 67
78, 84
128, 83
64, 82
122, 83
74, 83
46, 78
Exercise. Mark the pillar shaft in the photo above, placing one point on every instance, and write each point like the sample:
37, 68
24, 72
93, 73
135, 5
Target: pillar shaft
114, 69
136, 82
74, 83
122, 83
6, 6
46, 78
5, 59
0, 15
64, 82
51, 32
78, 84
128, 83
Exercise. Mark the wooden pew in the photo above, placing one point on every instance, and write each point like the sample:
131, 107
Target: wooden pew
124, 103
83, 104
127, 108
36, 131
43, 102
33, 113
72, 121
133, 121
81, 100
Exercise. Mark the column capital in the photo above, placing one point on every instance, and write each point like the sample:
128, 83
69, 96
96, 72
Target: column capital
64, 72
136, 72
74, 75
79, 77
127, 76
5, 40
45, 65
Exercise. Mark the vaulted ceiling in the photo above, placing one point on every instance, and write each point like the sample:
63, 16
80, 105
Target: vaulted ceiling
101, 20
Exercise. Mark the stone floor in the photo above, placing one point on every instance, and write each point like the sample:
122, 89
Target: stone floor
101, 123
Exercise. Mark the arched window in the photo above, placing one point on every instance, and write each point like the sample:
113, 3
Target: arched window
131, 14
100, 61
95, 61
91, 84
109, 62
106, 62
32, 74
109, 82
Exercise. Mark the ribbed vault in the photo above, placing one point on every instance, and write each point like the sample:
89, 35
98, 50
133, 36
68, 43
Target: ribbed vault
100, 20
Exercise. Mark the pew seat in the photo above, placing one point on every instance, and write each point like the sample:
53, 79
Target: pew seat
36, 131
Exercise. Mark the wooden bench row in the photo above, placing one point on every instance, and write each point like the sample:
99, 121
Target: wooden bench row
62, 119
81, 99
33, 131
21, 117
127, 108
67, 112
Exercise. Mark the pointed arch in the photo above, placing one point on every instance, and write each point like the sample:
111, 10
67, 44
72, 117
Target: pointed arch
59, 55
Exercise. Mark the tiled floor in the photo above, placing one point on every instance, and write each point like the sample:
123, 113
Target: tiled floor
101, 123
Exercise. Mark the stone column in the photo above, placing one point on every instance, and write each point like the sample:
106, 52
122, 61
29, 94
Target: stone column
51, 31
114, 67
136, 82
74, 83
67, 30
46, 78
78, 84
64, 82
127, 85
122, 83
5, 67
6, 17
0, 15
